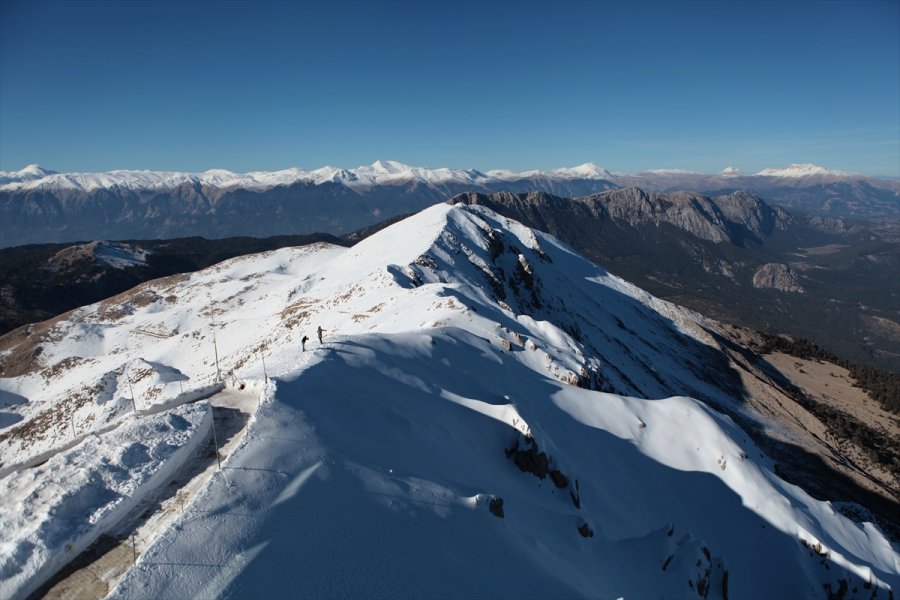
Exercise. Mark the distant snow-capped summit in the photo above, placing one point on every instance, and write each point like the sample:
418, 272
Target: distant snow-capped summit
587, 170
801, 170
731, 172
29, 173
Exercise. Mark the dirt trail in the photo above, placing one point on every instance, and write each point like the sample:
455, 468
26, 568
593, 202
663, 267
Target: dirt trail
96, 571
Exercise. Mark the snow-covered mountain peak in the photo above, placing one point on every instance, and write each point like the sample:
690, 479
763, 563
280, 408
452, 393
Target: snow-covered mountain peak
477, 383
731, 172
801, 170
587, 170
388, 167
29, 173
35, 170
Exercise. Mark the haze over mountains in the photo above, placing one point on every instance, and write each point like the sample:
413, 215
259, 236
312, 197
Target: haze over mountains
39, 205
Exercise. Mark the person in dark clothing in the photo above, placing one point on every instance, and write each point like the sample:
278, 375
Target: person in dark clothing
321, 331
303, 343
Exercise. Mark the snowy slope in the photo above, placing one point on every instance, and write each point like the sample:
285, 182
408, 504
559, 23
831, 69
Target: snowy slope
455, 340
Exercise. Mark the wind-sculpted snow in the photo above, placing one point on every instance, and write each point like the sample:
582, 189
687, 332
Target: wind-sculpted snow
52, 512
489, 414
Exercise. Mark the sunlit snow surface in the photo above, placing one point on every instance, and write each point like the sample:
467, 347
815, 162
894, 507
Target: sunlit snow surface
370, 465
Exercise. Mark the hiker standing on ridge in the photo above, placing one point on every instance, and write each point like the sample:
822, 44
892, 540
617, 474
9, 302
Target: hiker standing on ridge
303, 343
321, 331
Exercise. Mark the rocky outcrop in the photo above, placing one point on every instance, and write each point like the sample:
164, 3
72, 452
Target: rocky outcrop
777, 276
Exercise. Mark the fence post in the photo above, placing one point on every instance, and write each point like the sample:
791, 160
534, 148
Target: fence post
215, 345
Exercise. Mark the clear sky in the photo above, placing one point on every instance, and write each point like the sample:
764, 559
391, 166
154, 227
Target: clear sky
636, 85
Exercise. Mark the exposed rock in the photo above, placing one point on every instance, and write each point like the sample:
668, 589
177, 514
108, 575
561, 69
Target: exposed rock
496, 506
530, 459
559, 480
731, 218
777, 276
585, 530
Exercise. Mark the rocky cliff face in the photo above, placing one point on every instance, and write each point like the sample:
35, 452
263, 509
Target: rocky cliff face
732, 218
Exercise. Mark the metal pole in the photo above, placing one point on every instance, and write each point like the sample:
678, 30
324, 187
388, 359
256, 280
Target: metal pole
128, 376
216, 350
265, 374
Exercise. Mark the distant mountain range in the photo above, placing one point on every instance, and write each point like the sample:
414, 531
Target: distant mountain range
733, 257
38, 205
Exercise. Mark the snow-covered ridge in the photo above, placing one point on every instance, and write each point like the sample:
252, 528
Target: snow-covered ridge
381, 172
117, 255
802, 170
450, 339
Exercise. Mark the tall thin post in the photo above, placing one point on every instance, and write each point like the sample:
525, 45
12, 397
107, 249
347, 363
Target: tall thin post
72, 423
216, 349
128, 376
265, 374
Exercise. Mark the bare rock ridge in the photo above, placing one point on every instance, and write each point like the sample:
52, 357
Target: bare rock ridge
732, 218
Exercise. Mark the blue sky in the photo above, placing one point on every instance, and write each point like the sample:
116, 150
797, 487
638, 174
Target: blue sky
193, 86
